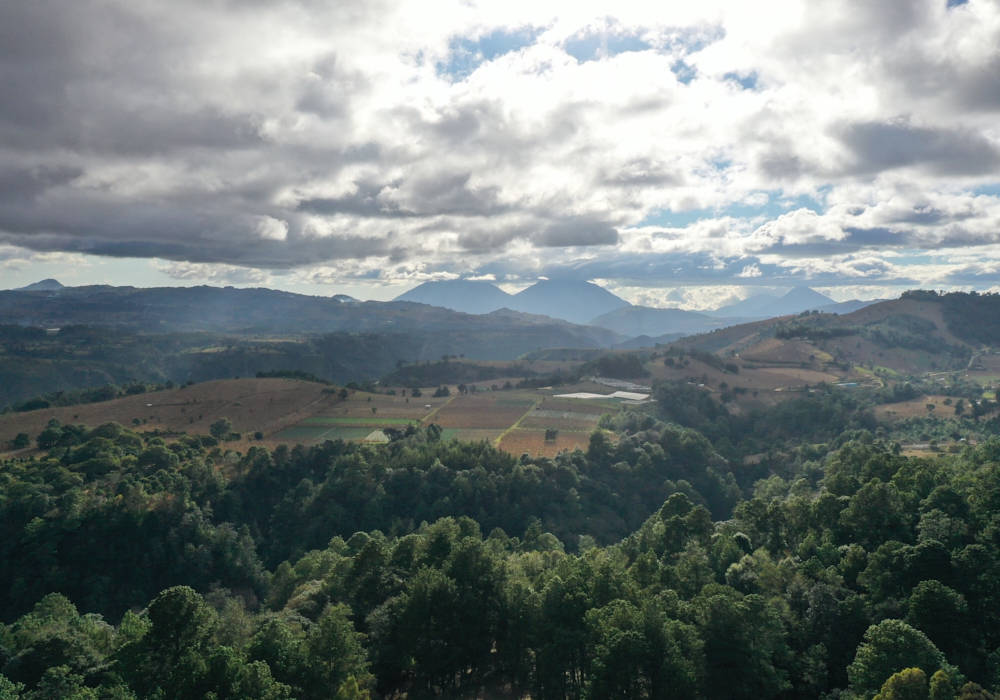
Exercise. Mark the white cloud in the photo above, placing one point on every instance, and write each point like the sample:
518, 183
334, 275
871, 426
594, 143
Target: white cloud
780, 142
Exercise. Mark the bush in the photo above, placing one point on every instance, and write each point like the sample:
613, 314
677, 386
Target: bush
620, 366
221, 428
31, 405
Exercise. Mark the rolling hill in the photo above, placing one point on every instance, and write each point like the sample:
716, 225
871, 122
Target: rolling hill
911, 335
266, 311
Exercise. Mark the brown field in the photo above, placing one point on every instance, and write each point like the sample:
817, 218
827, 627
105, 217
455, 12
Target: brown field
267, 405
785, 351
766, 381
518, 441
537, 422
471, 434
489, 410
360, 405
794, 378
574, 406
916, 407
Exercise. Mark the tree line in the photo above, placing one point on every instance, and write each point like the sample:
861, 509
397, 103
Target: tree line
638, 568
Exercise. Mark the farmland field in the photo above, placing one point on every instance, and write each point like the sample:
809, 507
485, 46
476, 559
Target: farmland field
301, 433
470, 434
485, 411
537, 422
519, 441
267, 405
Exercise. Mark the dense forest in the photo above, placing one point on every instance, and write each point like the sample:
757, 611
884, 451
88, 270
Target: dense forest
658, 563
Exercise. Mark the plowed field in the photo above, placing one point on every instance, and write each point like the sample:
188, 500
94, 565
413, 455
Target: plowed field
484, 411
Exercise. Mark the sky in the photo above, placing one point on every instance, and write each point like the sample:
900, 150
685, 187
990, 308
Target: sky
678, 153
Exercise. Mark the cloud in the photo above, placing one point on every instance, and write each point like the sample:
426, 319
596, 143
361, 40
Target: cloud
880, 146
392, 142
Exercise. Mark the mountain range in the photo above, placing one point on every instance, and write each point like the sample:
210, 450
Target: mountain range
569, 300
570, 312
498, 335
794, 301
584, 302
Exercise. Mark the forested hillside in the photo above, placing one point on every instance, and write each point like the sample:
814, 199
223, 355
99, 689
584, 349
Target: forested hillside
648, 566
35, 363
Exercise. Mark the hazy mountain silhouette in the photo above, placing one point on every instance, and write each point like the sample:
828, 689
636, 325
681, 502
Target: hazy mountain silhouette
573, 301
798, 300
753, 307
469, 296
795, 301
846, 307
644, 321
256, 311
49, 285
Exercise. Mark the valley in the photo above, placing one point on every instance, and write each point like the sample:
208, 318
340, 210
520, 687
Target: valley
294, 480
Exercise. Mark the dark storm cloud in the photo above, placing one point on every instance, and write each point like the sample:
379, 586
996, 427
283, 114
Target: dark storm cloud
881, 146
24, 185
575, 233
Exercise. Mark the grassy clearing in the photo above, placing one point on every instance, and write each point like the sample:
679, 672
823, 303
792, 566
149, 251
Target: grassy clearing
519, 441
319, 433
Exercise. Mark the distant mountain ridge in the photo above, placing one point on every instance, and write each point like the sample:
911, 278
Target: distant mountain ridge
468, 296
645, 321
794, 301
570, 300
576, 302
49, 285
268, 311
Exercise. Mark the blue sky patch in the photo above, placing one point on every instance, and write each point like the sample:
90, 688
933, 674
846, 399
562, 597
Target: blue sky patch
988, 190
774, 208
684, 72
597, 45
746, 81
466, 55
956, 3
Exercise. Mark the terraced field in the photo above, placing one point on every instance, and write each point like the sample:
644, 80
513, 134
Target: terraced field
358, 417
488, 410
295, 412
